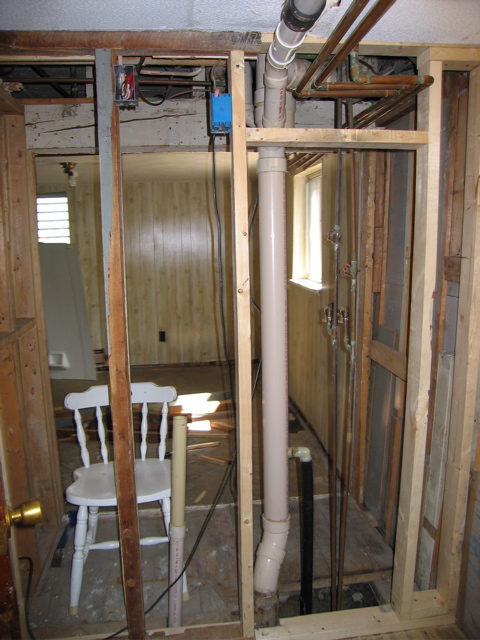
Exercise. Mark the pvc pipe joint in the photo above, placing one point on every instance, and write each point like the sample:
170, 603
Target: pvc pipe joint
284, 46
302, 453
271, 159
270, 555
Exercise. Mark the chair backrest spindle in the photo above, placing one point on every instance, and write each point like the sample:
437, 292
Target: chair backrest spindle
82, 440
101, 434
98, 397
162, 447
144, 431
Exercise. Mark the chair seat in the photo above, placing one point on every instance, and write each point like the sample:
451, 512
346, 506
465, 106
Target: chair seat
95, 486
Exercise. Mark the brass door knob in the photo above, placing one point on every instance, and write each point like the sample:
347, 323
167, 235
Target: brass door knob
28, 513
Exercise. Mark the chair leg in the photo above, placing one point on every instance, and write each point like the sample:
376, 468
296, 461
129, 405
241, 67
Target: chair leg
78, 559
92, 525
166, 514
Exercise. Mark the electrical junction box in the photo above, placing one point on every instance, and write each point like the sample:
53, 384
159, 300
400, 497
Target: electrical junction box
125, 84
221, 113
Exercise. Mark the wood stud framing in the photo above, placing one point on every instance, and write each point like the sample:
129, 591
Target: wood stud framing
410, 610
243, 355
119, 365
420, 350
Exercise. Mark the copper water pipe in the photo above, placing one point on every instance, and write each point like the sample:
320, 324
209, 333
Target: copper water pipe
374, 79
335, 237
354, 88
352, 41
347, 93
352, 13
385, 106
351, 345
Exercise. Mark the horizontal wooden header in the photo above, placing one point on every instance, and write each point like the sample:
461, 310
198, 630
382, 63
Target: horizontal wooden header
337, 138
159, 43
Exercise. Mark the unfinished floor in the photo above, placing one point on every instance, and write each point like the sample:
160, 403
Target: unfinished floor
212, 575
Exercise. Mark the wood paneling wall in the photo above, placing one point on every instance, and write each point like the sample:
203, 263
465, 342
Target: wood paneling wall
171, 258
172, 269
310, 345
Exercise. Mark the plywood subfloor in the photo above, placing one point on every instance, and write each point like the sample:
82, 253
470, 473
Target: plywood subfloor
212, 574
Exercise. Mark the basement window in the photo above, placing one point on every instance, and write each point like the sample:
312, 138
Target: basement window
53, 221
307, 232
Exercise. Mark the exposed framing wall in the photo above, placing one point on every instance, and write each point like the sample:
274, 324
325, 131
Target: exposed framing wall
410, 609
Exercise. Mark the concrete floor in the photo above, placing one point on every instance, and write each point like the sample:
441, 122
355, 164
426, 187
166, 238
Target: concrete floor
212, 576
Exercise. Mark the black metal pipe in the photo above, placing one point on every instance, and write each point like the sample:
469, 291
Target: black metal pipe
306, 587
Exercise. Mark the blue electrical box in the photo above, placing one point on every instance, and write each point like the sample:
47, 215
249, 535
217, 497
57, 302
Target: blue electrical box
221, 113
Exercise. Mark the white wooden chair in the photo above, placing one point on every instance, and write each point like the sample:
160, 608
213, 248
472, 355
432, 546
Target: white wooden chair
94, 484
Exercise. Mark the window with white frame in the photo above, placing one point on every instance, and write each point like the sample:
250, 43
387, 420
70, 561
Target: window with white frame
53, 220
307, 229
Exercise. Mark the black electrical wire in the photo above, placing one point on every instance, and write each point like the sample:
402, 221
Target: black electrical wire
250, 224
231, 467
369, 66
142, 96
252, 301
206, 522
164, 96
220, 280
222, 305
27, 596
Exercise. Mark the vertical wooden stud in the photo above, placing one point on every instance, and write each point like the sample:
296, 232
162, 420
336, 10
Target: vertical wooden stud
242, 342
119, 364
420, 350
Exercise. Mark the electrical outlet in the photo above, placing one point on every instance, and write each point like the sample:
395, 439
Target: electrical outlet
162, 336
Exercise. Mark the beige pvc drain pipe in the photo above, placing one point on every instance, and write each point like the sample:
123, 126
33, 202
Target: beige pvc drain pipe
177, 522
298, 16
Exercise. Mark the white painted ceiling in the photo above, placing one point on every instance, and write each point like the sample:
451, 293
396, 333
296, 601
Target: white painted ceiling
428, 21
146, 167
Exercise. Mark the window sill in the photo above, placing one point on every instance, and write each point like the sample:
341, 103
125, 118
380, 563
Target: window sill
307, 284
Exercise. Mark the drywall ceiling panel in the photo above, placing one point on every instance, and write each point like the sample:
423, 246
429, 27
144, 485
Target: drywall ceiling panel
429, 21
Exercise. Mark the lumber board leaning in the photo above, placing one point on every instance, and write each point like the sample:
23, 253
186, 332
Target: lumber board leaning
243, 356
420, 351
119, 365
